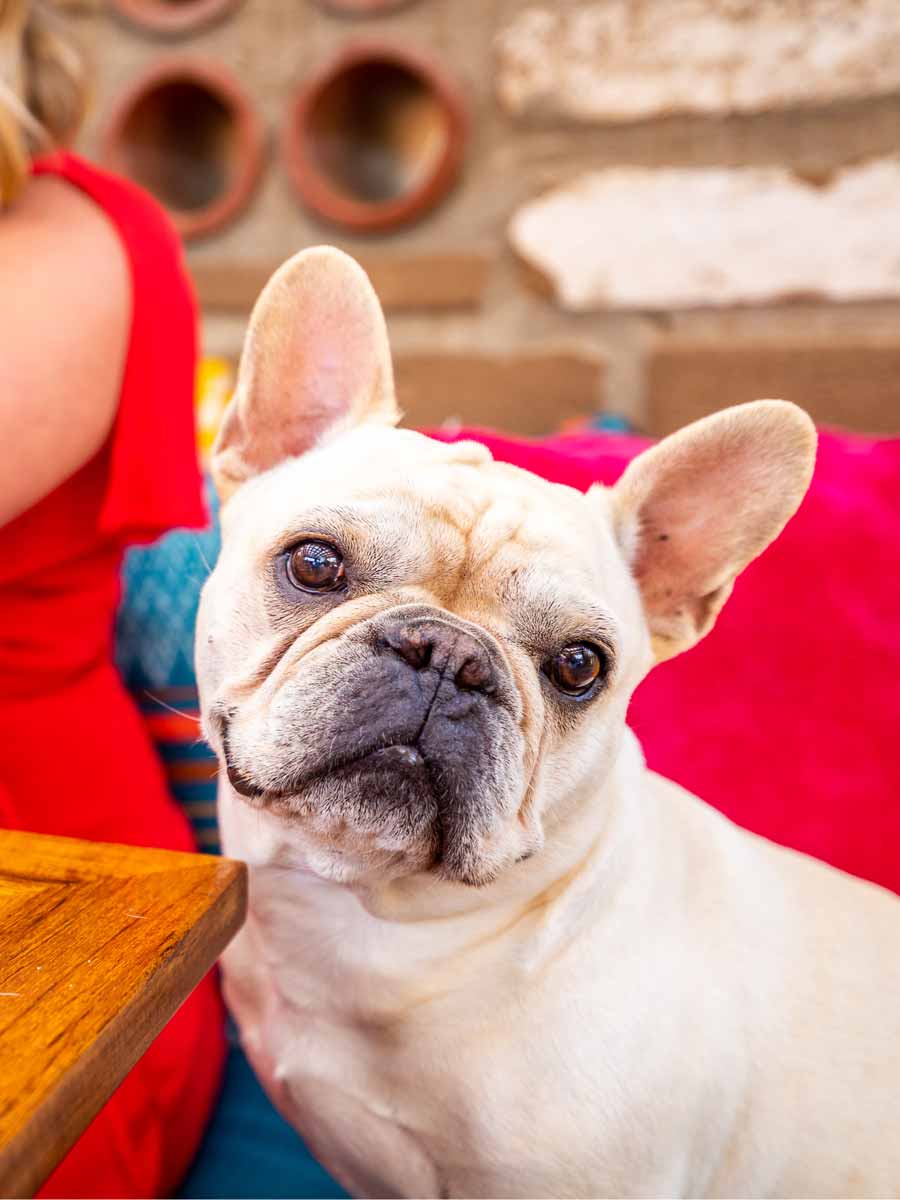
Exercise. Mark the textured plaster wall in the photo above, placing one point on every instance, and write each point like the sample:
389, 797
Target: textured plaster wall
533, 135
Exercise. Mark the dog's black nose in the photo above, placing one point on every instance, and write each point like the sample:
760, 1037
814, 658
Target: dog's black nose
424, 643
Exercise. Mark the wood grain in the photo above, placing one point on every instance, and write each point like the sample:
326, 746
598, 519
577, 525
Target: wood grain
99, 945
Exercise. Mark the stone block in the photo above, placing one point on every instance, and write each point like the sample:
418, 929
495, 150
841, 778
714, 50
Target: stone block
666, 238
619, 60
851, 381
528, 393
425, 280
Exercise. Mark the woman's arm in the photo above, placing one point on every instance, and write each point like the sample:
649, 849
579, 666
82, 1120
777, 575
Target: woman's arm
65, 316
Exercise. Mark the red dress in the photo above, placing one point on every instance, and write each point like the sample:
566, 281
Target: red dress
74, 756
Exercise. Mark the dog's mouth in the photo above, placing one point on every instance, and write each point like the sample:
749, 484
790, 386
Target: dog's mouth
399, 758
383, 799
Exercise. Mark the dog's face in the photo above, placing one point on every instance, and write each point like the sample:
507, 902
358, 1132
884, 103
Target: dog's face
414, 657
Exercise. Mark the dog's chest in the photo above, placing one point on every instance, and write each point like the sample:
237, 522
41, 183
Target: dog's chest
382, 1072
347, 1093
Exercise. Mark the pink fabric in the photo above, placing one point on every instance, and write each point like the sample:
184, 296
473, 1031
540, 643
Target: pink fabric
787, 716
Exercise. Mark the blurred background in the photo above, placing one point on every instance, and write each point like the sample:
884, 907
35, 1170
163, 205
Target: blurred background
613, 212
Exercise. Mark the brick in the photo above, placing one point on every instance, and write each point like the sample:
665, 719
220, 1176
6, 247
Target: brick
622, 61
659, 238
425, 280
851, 381
528, 393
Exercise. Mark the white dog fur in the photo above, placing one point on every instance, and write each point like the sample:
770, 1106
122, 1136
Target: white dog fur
590, 984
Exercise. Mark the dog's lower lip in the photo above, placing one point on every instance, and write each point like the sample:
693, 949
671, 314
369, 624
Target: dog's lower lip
243, 785
405, 756
400, 756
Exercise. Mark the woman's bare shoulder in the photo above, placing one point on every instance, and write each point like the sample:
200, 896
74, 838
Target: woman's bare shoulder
64, 338
55, 222
57, 243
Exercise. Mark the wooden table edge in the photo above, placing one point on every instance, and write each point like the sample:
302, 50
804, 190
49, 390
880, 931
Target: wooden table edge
24, 1164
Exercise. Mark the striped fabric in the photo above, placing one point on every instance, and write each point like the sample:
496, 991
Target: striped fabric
189, 763
155, 655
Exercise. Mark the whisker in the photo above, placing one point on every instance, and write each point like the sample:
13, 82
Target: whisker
177, 711
202, 554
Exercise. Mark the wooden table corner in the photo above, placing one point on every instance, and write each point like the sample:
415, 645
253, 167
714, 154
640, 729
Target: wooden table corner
99, 946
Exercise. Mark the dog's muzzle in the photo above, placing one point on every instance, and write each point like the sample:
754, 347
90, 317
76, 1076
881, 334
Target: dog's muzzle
419, 727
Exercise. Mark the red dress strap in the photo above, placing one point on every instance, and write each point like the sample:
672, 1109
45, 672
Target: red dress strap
153, 479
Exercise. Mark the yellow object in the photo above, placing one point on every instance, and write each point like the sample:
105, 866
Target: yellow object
215, 383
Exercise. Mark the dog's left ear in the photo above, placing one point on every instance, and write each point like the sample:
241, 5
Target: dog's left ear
693, 511
316, 359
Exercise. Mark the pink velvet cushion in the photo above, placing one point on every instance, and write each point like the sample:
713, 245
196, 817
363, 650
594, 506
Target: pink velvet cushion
787, 716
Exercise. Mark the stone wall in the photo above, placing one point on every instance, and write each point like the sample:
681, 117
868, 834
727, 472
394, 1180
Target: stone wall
665, 205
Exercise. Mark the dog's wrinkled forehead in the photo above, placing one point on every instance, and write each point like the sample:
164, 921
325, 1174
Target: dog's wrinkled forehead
450, 508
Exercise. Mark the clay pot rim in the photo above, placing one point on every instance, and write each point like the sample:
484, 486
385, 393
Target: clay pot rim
345, 11
170, 20
248, 134
316, 190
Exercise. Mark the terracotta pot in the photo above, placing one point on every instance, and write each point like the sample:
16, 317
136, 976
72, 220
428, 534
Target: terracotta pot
375, 139
172, 18
186, 132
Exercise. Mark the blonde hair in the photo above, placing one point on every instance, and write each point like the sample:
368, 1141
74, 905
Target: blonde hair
43, 89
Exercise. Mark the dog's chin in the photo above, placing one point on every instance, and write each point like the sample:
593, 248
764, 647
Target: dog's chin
376, 818
373, 818
345, 856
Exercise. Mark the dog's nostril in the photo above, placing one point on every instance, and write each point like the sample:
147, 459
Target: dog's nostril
475, 675
414, 646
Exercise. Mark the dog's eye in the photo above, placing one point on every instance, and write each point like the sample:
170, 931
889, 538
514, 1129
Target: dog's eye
575, 669
315, 567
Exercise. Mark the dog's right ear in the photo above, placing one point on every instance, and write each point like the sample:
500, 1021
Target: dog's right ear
316, 360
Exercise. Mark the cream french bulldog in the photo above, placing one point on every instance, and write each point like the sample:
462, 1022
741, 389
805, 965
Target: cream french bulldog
488, 952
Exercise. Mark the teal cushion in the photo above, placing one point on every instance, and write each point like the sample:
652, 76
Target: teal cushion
155, 654
249, 1150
